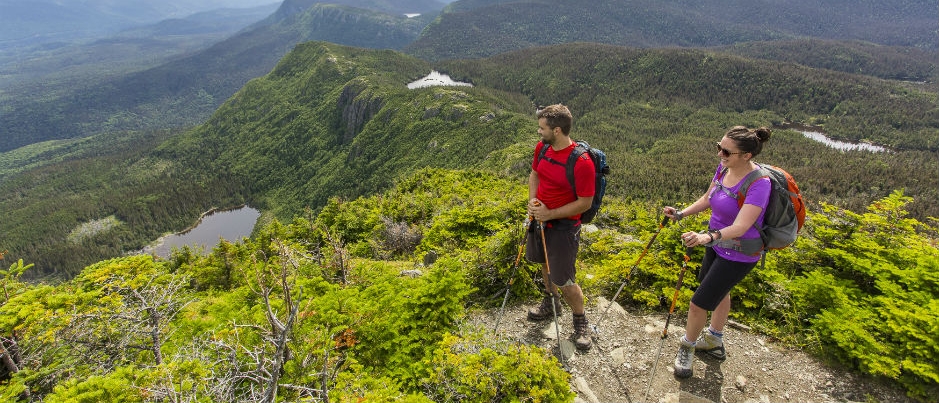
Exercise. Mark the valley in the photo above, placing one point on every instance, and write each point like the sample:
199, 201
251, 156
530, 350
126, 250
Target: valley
314, 115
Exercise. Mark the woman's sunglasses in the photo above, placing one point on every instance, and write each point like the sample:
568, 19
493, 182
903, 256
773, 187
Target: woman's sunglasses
726, 153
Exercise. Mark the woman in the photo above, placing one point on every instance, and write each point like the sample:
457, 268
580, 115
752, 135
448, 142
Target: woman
729, 241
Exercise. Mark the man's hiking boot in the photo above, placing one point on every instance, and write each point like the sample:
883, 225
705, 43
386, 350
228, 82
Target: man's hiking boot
711, 345
582, 338
684, 359
543, 311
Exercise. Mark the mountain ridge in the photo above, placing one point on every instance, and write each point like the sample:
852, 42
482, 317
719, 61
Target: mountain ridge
184, 92
510, 24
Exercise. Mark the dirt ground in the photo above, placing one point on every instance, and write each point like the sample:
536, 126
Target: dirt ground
630, 362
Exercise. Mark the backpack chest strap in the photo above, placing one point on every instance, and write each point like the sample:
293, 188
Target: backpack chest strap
569, 166
745, 183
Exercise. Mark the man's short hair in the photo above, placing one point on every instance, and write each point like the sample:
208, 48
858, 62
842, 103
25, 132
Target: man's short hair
557, 115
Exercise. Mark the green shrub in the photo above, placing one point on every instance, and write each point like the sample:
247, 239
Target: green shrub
477, 369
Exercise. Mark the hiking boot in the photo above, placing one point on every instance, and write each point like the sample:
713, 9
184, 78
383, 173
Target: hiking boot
711, 345
581, 336
543, 311
684, 359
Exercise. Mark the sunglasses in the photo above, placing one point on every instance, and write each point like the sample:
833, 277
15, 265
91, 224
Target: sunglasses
726, 153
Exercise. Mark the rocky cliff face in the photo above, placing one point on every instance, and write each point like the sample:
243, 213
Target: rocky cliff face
358, 106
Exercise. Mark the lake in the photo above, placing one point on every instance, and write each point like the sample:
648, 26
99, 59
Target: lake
231, 225
816, 133
842, 145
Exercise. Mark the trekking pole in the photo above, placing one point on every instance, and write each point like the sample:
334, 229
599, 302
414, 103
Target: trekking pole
554, 310
681, 275
547, 266
596, 327
518, 259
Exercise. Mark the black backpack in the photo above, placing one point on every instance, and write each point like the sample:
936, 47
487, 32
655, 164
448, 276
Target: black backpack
601, 169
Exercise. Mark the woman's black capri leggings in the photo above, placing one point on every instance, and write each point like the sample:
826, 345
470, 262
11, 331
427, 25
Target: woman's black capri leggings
717, 277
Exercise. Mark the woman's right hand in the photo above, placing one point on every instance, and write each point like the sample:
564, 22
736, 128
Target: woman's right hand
691, 239
670, 212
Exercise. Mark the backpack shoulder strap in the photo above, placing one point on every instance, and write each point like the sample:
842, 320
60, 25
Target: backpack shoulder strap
748, 180
579, 150
543, 155
717, 182
543, 152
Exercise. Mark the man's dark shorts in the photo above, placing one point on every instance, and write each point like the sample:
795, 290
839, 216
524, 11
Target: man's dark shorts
563, 241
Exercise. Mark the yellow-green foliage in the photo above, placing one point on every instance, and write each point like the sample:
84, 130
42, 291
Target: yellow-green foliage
868, 288
478, 368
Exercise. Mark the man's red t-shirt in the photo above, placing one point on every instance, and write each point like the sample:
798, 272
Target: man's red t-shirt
554, 190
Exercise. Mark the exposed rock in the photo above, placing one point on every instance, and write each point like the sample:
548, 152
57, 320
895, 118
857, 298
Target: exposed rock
411, 273
619, 367
583, 390
741, 382
358, 107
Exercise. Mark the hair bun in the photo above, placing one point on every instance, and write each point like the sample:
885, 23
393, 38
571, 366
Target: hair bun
763, 134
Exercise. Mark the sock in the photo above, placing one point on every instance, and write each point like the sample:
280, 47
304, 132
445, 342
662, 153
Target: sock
685, 339
715, 333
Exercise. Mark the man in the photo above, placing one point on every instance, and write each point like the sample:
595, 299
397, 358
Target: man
552, 202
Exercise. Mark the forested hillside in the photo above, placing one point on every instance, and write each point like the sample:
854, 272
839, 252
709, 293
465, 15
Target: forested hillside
888, 62
658, 111
497, 26
332, 121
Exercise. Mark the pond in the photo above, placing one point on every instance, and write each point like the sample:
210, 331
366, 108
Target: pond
231, 225
435, 78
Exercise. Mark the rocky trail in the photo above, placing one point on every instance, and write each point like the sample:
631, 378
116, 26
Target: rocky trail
619, 366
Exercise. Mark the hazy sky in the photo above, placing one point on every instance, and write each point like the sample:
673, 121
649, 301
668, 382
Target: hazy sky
232, 3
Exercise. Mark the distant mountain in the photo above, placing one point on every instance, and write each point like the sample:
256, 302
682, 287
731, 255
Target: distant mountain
398, 7
478, 28
62, 66
889, 62
186, 91
29, 22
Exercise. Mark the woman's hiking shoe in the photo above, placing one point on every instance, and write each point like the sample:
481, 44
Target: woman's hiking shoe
543, 311
582, 338
711, 345
684, 359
